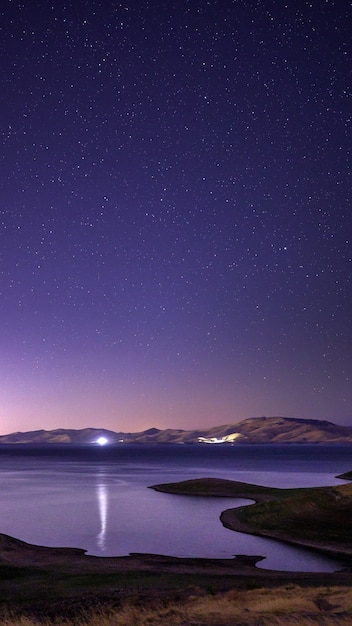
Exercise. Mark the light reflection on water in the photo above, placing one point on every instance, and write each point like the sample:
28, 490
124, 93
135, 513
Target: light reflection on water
102, 497
102, 504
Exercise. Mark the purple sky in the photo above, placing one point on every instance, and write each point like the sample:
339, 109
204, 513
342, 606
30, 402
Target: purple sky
176, 221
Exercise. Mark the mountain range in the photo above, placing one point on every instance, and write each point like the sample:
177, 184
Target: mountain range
252, 430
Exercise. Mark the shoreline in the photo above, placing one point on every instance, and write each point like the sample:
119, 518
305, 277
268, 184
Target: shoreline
229, 520
17, 554
46, 585
269, 503
75, 581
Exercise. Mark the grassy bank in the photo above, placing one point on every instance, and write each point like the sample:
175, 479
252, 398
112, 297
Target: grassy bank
317, 517
290, 605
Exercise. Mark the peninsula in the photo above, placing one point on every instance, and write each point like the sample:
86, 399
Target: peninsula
313, 517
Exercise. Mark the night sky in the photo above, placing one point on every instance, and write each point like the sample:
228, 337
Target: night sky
175, 202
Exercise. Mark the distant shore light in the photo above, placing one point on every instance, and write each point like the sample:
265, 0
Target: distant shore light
102, 441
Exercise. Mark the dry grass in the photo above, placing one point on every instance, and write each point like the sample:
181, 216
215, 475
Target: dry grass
283, 606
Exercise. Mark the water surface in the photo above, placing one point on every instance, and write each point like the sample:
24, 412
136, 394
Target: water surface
98, 498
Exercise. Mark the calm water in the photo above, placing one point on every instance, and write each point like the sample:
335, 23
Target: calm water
97, 498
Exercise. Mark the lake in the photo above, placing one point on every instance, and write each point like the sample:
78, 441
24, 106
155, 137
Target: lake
97, 497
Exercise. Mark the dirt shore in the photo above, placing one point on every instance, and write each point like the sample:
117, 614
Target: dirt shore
71, 578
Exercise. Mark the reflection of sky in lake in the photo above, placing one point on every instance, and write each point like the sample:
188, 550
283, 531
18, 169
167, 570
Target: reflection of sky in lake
107, 509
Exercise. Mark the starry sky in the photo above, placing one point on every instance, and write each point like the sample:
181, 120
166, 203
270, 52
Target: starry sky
175, 212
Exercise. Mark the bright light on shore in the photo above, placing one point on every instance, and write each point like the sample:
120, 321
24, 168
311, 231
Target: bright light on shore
102, 441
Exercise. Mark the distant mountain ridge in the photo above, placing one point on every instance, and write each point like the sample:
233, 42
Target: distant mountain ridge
251, 430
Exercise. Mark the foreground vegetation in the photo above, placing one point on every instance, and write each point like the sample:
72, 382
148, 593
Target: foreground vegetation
290, 605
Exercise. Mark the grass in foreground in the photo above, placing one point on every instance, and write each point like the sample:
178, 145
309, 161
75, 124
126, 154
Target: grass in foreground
290, 605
